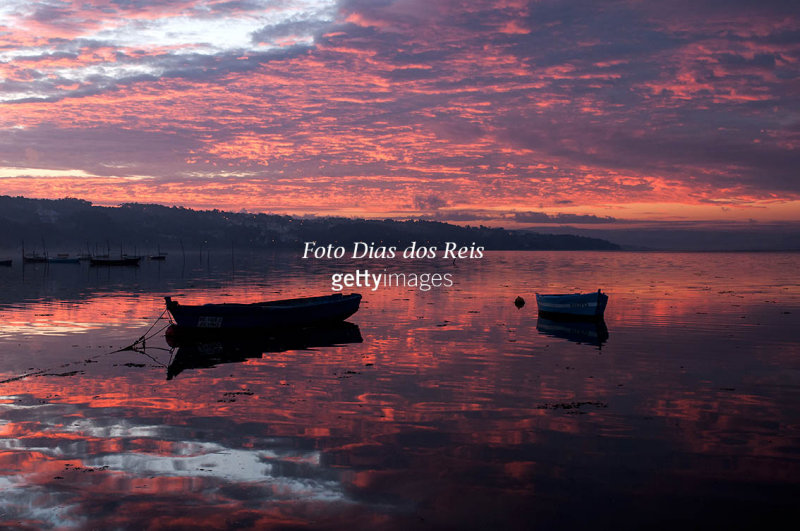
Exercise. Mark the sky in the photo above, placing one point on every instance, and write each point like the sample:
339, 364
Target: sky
475, 112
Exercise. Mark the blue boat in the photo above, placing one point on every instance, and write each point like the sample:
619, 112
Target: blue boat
265, 315
572, 305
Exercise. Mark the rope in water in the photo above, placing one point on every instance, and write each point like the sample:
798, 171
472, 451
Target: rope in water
132, 347
144, 336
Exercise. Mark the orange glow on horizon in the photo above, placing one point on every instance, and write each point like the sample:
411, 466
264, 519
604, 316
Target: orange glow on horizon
357, 125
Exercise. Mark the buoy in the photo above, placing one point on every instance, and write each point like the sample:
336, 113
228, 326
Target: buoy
519, 302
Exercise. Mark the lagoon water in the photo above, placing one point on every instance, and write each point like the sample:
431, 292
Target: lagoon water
449, 408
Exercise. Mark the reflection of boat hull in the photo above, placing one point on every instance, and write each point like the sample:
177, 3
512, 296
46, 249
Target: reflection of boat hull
592, 332
573, 305
127, 261
265, 315
196, 351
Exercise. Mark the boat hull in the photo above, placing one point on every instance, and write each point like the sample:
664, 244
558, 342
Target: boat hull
134, 261
266, 315
573, 305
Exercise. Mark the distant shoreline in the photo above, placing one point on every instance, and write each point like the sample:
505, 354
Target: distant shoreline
78, 224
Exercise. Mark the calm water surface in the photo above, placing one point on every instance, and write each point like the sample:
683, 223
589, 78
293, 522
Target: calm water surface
449, 408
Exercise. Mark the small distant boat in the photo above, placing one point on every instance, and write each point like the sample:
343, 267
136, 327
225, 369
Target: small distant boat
580, 305
63, 259
5, 263
34, 259
124, 261
159, 256
265, 315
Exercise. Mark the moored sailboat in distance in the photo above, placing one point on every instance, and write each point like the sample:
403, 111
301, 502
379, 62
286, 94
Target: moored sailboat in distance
121, 261
159, 256
63, 258
44, 258
34, 258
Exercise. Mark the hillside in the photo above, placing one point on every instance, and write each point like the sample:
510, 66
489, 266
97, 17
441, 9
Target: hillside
71, 224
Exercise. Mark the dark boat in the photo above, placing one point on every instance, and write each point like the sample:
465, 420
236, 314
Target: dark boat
124, 261
573, 305
34, 259
203, 351
63, 260
5, 263
588, 332
264, 315
159, 256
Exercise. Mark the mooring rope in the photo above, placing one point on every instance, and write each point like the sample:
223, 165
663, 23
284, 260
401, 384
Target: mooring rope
132, 347
145, 337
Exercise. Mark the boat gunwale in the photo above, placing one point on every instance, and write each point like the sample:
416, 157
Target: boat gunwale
296, 302
578, 294
302, 311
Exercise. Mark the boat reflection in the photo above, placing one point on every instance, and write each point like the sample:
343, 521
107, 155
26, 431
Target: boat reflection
575, 330
197, 351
